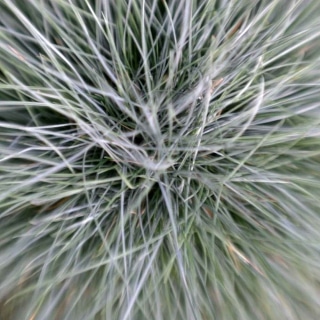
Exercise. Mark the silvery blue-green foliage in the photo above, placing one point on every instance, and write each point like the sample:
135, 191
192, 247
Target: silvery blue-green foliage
159, 159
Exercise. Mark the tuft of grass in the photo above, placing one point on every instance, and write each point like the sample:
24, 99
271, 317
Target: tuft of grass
159, 159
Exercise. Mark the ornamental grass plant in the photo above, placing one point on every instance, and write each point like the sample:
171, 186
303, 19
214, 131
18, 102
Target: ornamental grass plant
159, 159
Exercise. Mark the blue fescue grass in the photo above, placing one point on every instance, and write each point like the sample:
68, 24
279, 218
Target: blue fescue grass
159, 159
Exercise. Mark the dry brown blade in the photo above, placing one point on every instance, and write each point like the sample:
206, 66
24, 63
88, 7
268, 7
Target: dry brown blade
33, 316
17, 53
58, 41
235, 252
219, 113
233, 256
100, 249
26, 274
234, 29
135, 212
208, 211
63, 306
58, 203
215, 84
305, 49
280, 261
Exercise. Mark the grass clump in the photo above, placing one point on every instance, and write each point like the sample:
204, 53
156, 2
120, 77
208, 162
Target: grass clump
159, 159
